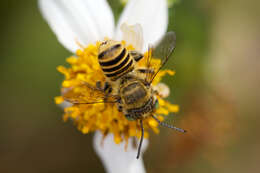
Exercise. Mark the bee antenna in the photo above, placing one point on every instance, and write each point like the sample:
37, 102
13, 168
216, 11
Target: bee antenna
141, 140
168, 125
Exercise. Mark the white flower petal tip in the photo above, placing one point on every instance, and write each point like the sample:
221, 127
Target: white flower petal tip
114, 156
133, 35
152, 15
82, 21
163, 89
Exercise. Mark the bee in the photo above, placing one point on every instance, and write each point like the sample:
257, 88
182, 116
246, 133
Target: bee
134, 94
115, 60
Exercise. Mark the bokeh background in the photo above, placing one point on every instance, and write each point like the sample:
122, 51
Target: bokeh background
216, 85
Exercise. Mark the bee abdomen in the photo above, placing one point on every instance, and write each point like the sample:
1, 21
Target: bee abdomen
109, 61
115, 75
117, 66
115, 61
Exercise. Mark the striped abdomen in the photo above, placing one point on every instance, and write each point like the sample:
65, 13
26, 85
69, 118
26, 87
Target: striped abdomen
114, 59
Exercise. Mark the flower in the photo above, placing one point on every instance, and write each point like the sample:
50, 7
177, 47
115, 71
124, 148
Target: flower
103, 117
86, 23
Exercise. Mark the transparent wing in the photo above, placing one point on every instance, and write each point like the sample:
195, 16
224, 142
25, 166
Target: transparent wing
165, 46
150, 66
162, 51
87, 94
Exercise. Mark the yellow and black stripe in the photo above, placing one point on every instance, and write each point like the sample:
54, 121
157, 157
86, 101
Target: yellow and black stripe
115, 60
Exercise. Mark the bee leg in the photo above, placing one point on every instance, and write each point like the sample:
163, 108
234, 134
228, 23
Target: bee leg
168, 125
136, 55
107, 88
98, 85
141, 140
145, 70
120, 108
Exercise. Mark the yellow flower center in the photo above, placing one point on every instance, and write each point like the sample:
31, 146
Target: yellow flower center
104, 117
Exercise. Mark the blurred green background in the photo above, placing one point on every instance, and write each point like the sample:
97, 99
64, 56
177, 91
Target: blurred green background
216, 85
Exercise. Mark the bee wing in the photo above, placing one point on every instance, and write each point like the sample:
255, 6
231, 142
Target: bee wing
87, 94
149, 65
133, 35
162, 51
165, 46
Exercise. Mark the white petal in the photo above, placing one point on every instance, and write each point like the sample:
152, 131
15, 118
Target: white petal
133, 35
83, 21
115, 158
151, 14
